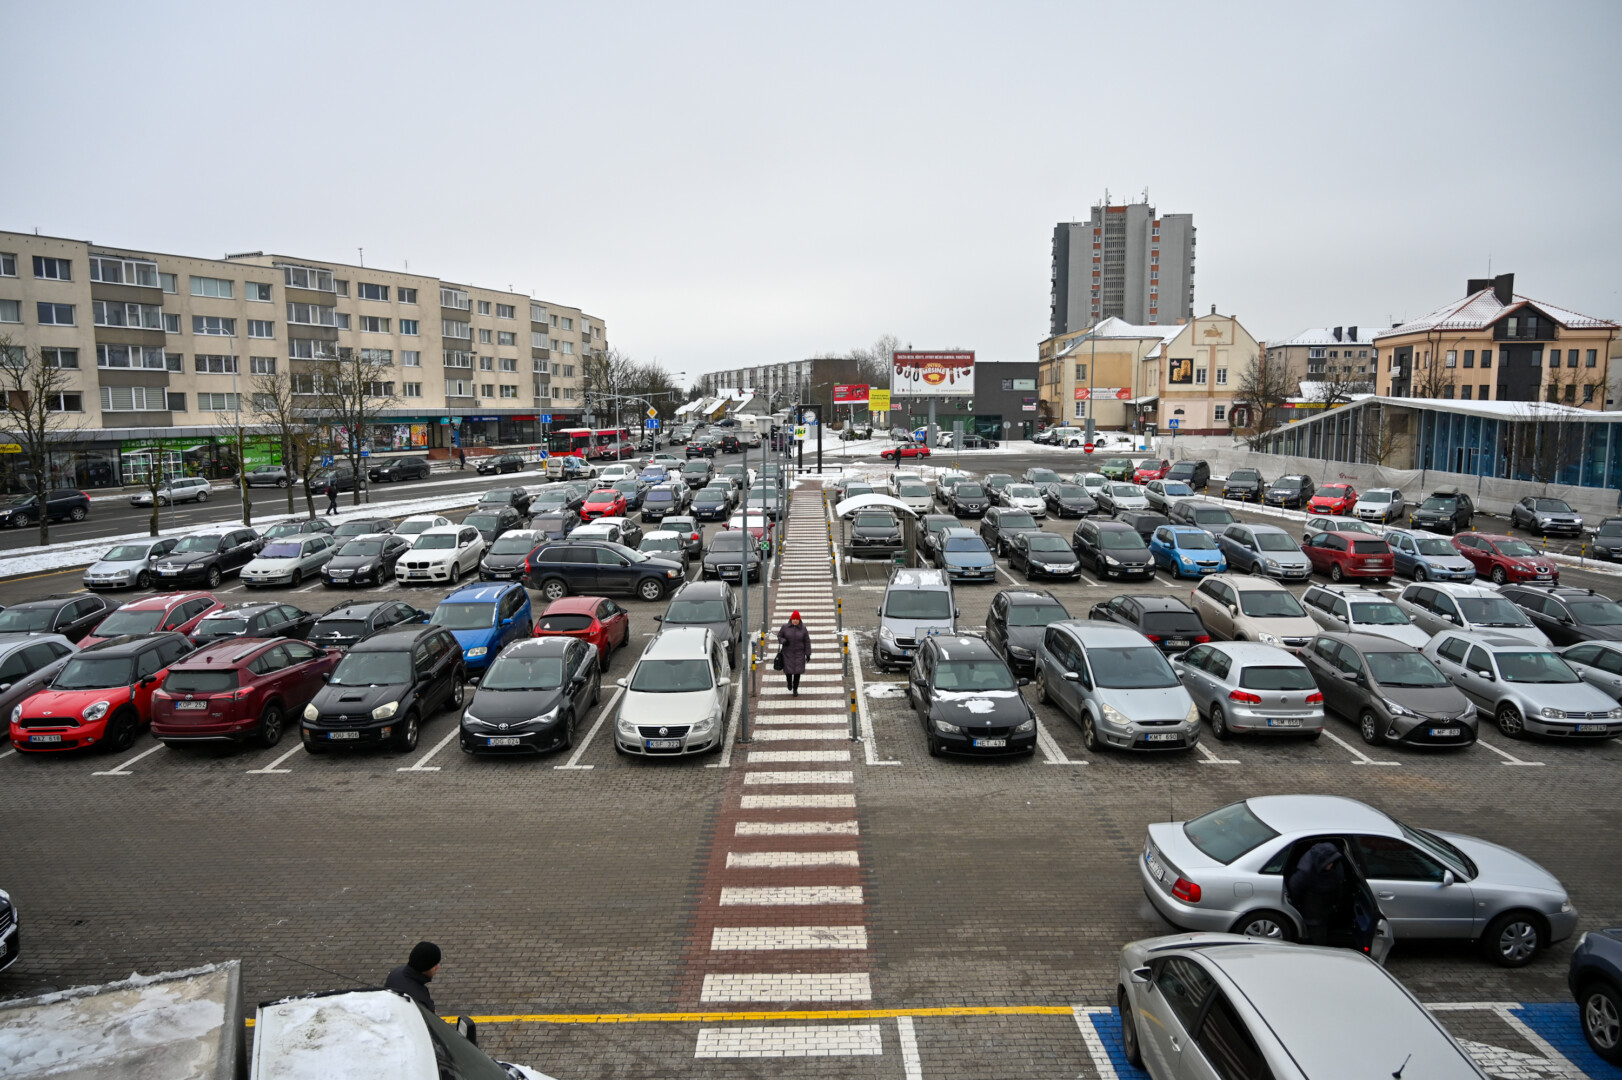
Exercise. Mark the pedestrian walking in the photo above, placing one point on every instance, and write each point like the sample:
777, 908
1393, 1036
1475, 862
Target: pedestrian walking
461, 459
332, 496
412, 977
1319, 888
794, 650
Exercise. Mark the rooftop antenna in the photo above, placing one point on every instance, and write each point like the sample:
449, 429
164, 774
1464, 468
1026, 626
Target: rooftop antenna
1146, 194
362, 257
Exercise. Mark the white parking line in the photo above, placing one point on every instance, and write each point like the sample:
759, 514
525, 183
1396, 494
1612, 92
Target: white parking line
1052, 752
271, 768
1360, 757
574, 759
1509, 759
1208, 758
1095, 1045
119, 769
870, 742
911, 1066
422, 762
7, 754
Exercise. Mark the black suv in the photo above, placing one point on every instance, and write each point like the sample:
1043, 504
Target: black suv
1446, 510
1015, 623
949, 669
1195, 473
1165, 620
345, 624
341, 477
405, 468
499, 463
599, 568
1000, 522
205, 558
1246, 485
697, 474
1112, 550
493, 519
383, 688
64, 504
1291, 491
71, 616
254, 621
875, 533
1566, 614
515, 497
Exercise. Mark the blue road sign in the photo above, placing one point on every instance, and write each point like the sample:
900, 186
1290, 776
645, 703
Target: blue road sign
653, 425
1173, 421
326, 460
546, 418
365, 453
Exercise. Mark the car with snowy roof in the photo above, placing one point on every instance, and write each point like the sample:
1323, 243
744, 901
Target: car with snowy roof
968, 700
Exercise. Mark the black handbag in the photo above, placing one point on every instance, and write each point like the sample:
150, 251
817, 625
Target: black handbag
777, 664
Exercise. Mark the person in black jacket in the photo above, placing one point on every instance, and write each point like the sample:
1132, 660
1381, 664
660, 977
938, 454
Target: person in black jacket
1320, 889
412, 977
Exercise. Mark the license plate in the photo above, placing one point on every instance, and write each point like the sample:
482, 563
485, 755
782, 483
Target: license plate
1177, 643
1543, 577
1371, 562
1283, 723
501, 573
1580, 727
343, 734
416, 573
1443, 732
191, 704
906, 653
1166, 737
44, 738
660, 744
169, 573
502, 740
991, 742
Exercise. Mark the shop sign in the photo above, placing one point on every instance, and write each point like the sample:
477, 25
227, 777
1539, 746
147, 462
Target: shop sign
10, 448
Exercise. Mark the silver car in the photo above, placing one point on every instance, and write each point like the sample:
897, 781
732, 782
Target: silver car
1525, 688
1599, 663
1117, 686
915, 494
1380, 504
677, 697
1264, 549
128, 566
290, 560
1322, 523
1438, 606
180, 489
1243, 687
1224, 872
1352, 609
1242, 608
1162, 493
1202, 1006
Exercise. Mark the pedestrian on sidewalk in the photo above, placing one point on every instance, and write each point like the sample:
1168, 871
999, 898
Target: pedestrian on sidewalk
332, 496
794, 648
461, 459
412, 977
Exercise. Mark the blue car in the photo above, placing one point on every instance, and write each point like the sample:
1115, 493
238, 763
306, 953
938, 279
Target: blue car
1425, 556
653, 475
1186, 551
484, 619
964, 556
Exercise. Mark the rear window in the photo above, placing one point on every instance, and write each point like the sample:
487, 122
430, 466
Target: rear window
181, 681
1276, 678
1172, 622
1370, 547
1017, 521
1228, 833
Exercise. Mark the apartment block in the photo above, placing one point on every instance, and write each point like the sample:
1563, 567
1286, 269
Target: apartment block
1127, 262
787, 383
1342, 355
163, 351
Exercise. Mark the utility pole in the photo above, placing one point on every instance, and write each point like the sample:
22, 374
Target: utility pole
746, 664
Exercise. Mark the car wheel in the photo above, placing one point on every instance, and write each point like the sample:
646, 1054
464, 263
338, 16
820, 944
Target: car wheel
281, 483
143, 580
1336, 574
23, 520
554, 588
78, 513
650, 590
1089, 733
597, 688
1498, 575
1129, 1029
213, 577
405, 738
270, 726
458, 692
1219, 724
1042, 686
298, 576
121, 732
1368, 726
1509, 722
202, 496
1265, 924
1421, 574
1601, 1007
1513, 939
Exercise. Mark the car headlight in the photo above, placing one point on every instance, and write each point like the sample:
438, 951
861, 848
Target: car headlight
1273, 564
886, 634
1193, 716
1027, 726
477, 651
1110, 560
704, 726
383, 712
16, 713
1565, 905
950, 729
1615, 714
1268, 639
546, 717
1015, 650
95, 710
1115, 716
1395, 709
311, 712
625, 727
1552, 714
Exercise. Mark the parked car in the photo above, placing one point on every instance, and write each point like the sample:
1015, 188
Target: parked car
205, 558
732, 553
1195, 473
967, 499
239, 691
1163, 494
595, 620
1117, 686
615, 451
916, 496
128, 565
366, 560
363, 526
1291, 491
999, 523
968, 700
663, 501
185, 489
1040, 477
348, 623
100, 697
677, 697
1393, 693
532, 698
396, 469
1246, 688
1445, 510
553, 524
267, 476
1383, 504
1333, 499
1246, 485
1112, 549
498, 464
605, 502
634, 491
257, 620
71, 616
1546, 517
974, 441
1440, 884
1595, 978
619, 530
484, 619
384, 688
1424, 557
1343, 555
443, 553
492, 520
874, 533
1115, 498
1165, 621
418, 524
62, 504
1322, 523
711, 605
1526, 689
597, 568
1070, 500
697, 474
299, 527
1150, 470
1505, 559
963, 556
27, 664
176, 612
692, 533
1567, 615
504, 559
1184, 551
1242, 608
1264, 549
1202, 515
1352, 609
1442, 606
1599, 663
1607, 539
289, 561
1144, 521
1043, 555
1119, 469
1026, 497
916, 605
1015, 621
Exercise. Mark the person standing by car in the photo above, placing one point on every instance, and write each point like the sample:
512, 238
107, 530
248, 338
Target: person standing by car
794, 647
412, 977
1318, 889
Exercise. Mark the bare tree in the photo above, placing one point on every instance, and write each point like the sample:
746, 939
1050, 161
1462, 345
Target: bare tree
1339, 387
1263, 390
35, 417
1434, 381
351, 388
292, 423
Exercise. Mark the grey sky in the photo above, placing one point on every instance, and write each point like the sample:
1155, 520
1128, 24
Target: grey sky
735, 184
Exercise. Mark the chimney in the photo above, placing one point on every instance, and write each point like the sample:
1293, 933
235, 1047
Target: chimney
1351, 334
1503, 287
1476, 284
1213, 309
1337, 333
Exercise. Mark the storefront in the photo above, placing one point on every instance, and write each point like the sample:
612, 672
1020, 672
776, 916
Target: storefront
212, 456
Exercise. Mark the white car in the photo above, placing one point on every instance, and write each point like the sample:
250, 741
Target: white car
1025, 497
1128, 497
414, 526
288, 560
669, 461
893, 481
610, 529
677, 697
128, 565
443, 553
180, 489
1093, 482
615, 473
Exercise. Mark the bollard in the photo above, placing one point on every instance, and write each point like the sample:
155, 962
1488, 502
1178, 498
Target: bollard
855, 735
839, 614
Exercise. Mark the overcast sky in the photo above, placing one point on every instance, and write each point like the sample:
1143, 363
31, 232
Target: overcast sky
750, 183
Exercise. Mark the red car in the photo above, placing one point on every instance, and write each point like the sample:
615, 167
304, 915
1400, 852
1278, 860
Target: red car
1506, 559
606, 502
906, 451
1333, 499
101, 697
1344, 555
240, 689
177, 611
1149, 471
590, 618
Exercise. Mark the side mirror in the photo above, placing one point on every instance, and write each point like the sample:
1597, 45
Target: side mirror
473, 680
1448, 878
1451, 618
1349, 676
1024, 682
1233, 609
4, 687
621, 682
1141, 975
1071, 676
467, 1029
723, 682
326, 676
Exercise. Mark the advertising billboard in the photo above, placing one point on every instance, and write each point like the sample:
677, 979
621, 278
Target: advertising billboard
878, 400
1181, 371
932, 374
850, 394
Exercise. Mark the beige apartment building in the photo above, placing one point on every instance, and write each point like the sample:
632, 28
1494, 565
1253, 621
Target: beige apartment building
163, 349
1342, 355
1197, 371
1100, 370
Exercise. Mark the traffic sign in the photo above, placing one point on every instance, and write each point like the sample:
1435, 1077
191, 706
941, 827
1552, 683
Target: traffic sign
653, 425
800, 432
1173, 422
326, 460
1088, 448
653, 414
546, 418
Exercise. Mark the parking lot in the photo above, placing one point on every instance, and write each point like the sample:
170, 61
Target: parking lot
575, 895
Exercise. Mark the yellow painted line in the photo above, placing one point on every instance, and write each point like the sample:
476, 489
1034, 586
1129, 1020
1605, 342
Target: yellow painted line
726, 1017
53, 573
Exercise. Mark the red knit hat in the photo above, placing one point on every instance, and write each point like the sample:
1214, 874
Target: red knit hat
793, 615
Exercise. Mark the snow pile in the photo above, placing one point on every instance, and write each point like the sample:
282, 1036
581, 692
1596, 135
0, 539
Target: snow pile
358, 1036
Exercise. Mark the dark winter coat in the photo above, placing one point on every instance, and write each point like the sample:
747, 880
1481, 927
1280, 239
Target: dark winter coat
1320, 882
794, 642
407, 980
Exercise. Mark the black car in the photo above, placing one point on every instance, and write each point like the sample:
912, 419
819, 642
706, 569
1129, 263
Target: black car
1069, 500
1566, 614
1112, 550
930, 528
557, 497
634, 491
736, 475
703, 447
515, 497
205, 558
1145, 521
365, 560
492, 520
339, 477
1201, 515
1165, 620
267, 476
383, 688
712, 605
1608, 538
729, 550
600, 568
345, 624
1015, 623
532, 697
1246, 485
1445, 510
504, 561
959, 688
1043, 555
1195, 473
64, 504
499, 463
401, 468
692, 533
968, 499
71, 616
367, 526
730, 444
974, 441
554, 524
715, 502
874, 534
697, 474
1292, 491
1001, 522
255, 621
664, 500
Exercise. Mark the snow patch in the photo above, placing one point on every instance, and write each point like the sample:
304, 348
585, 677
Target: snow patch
884, 689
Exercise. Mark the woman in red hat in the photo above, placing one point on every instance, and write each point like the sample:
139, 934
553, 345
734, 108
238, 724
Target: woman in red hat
794, 646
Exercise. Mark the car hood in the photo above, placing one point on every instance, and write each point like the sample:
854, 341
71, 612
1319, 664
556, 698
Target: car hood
970, 500
322, 636
1572, 697
1529, 634
1437, 702
1408, 635
350, 562
1023, 503
1160, 703
1247, 484
104, 567
1198, 555
1286, 558
1028, 638
1052, 558
189, 558
358, 700
1130, 502
916, 628
722, 630
1432, 514
979, 708
1499, 865
663, 710
508, 706
1447, 562
1077, 503
1283, 627
724, 558
472, 639
431, 555
1533, 563
71, 703
273, 566
505, 561
1128, 556
966, 558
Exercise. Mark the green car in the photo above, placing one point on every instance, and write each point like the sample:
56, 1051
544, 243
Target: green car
1118, 468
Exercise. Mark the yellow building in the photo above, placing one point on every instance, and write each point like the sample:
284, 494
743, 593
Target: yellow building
1100, 368
1196, 373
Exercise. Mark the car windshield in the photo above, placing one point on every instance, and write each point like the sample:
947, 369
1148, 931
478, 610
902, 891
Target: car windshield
1404, 669
1200, 541
660, 495
960, 675
434, 541
1270, 604
1290, 483
1551, 506
193, 681
1068, 491
918, 604
95, 673
1379, 613
1517, 548
1596, 612
1434, 545
629, 487
1120, 540
1131, 667
875, 521
969, 491
1016, 521
1175, 487
126, 553
358, 528
1534, 667
711, 495
601, 495
1332, 491
727, 540
1212, 515
411, 528
913, 490
279, 551
671, 676
1124, 491
523, 673
661, 543
1277, 678
1036, 614
1275, 541
1022, 491
1376, 496
21, 500
26, 618
197, 543
512, 545
1043, 476
1433, 503
1486, 611
361, 548
373, 669
686, 612
1245, 475
129, 622
1228, 833
1047, 542
1610, 528
464, 616
966, 543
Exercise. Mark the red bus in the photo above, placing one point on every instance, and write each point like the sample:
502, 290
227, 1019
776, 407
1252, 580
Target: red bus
569, 442
603, 438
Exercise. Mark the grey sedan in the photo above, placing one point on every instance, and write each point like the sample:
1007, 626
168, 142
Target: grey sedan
289, 561
1224, 871
1525, 688
1243, 687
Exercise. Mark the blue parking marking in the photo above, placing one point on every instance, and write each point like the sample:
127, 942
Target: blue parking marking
1108, 1026
1559, 1024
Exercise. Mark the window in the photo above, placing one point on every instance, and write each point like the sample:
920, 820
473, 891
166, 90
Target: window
407, 296
1511, 325
177, 402
1571, 393
1486, 358
371, 324
8, 264
458, 388
211, 286
408, 327
487, 363
1588, 393
10, 311
112, 313
302, 383
456, 328
537, 339
1221, 412
55, 314
131, 356
308, 349
455, 358
1486, 392
1464, 392
215, 365
311, 315
410, 358
484, 307
568, 371
484, 337
509, 363
340, 319
509, 391
539, 366
53, 269
537, 313
261, 328
377, 356
213, 325
411, 389
505, 311
568, 323
1591, 358
1571, 358
1315, 354
307, 277
379, 389
554, 320
115, 271
170, 283
1447, 392
64, 402
1222, 376
1554, 357
13, 356
564, 347
365, 290
1452, 358
59, 358
506, 337
216, 402
454, 298
487, 389
1469, 358
262, 365
134, 399
1199, 376
340, 286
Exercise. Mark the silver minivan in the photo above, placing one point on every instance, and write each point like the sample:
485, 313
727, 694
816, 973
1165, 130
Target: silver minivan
1439, 605
917, 604
1117, 686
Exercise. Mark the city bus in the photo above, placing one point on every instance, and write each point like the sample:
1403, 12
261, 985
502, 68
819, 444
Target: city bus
569, 442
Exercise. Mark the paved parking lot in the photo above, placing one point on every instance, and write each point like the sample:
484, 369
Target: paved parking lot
576, 896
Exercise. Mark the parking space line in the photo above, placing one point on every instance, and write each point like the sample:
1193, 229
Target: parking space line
271, 768
1095, 1045
1359, 758
421, 765
121, 767
1051, 750
7, 754
574, 759
1509, 759
870, 743
1208, 758
910, 1063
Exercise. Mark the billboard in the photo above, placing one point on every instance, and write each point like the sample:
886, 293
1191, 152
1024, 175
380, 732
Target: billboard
1099, 393
932, 374
878, 400
1181, 371
850, 394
